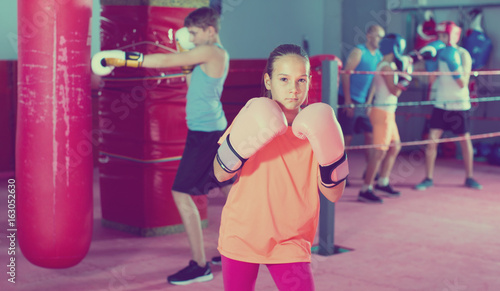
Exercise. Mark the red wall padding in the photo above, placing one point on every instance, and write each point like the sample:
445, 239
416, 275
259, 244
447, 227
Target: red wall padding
142, 122
244, 81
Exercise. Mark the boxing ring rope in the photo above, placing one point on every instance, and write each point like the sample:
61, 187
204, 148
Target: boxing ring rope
412, 103
418, 73
428, 141
341, 72
161, 77
407, 115
142, 161
423, 103
419, 103
166, 48
358, 147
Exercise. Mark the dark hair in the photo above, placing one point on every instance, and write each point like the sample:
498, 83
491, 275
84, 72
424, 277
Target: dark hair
203, 17
280, 51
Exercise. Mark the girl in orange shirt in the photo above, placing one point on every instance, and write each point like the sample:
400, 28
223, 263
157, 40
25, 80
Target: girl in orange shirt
283, 155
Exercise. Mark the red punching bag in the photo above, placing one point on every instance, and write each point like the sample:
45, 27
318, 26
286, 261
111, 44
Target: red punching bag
53, 151
426, 31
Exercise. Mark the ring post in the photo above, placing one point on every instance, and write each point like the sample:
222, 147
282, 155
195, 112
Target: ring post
327, 209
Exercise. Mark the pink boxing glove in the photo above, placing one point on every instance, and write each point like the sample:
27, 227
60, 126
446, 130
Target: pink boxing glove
317, 123
259, 122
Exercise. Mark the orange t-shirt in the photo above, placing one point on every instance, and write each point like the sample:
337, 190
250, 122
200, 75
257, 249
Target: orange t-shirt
272, 210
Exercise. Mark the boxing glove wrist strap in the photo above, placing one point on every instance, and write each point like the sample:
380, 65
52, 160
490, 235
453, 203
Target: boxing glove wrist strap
228, 159
131, 59
334, 174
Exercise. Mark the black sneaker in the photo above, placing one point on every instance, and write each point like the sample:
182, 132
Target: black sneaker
388, 190
190, 274
217, 261
471, 183
369, 197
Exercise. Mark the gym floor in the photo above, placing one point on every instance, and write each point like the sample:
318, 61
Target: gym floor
446, 238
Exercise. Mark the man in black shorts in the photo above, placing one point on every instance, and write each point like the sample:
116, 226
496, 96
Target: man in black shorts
356, 123
451, 110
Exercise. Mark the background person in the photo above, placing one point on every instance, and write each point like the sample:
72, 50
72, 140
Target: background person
387, 89
446, 115
354, 88
205, 121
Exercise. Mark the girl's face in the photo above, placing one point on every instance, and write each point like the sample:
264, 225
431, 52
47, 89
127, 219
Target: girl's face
289, 82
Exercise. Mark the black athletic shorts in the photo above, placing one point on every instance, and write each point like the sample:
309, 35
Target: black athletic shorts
457, 122
358, 123
195, 174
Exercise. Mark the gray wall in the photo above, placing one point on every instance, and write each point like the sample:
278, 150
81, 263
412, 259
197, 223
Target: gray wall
357, 16
8, 29
251, 29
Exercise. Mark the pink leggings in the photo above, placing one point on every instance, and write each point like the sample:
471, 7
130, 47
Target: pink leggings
241, 276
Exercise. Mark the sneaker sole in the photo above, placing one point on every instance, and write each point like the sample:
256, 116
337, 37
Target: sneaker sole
195, 280
422, 188
361, 199
389, 195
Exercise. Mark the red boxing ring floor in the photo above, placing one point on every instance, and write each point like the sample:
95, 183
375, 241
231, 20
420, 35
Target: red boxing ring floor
446, 238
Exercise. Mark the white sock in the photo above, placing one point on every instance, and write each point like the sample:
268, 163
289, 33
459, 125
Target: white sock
383, 181
365, 187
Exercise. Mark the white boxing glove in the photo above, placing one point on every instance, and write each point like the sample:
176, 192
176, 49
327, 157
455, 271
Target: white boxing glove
104, 62
183, 45
182, 40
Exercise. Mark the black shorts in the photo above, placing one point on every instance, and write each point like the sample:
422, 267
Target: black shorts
457, 122
358, 123
195, 174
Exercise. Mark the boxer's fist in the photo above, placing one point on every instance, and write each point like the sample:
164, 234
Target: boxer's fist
183, 44
430, 52
415, 56
404, 81
405, 64
182, 40
451, 57
105, 61
317, 123
259, 122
